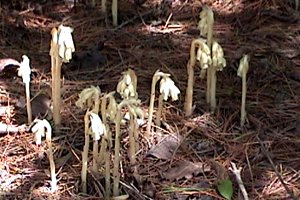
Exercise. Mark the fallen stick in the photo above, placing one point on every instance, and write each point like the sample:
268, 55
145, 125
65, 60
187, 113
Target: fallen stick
4, 128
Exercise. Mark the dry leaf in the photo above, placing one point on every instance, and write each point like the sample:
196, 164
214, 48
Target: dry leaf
166, 147
185, 169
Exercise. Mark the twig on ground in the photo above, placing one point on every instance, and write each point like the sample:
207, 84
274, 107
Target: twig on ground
237, 173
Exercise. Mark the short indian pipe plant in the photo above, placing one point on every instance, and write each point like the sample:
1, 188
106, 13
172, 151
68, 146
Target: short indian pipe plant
96, 131
156, 77
108, 113
242, 72
89, 98
135, 113
127, 85
199, 53
24, 71
41, 128
61, 49
130, 103
167, 89
104, 154
127, 88
218, 63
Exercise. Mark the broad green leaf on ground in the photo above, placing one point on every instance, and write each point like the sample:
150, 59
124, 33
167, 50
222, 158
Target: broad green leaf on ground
225, 188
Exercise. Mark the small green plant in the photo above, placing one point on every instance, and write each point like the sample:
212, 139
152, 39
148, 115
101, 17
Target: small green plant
225, 188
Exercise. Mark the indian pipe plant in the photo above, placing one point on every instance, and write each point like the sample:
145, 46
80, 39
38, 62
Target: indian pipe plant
209, 54
104, 154
156, 77
24, 71
40, 128
205, 26
61, 49
127, 89
167, 89
133, 103
199, 52
89, 98
114, 10
242, 72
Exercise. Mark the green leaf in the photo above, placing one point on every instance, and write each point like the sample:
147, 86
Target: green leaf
225, 188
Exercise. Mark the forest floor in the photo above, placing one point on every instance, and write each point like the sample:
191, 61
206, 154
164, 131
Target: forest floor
187, 157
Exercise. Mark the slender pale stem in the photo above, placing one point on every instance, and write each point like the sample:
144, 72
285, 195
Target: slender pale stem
51, 160
116, 173
103, 6
107, 165
136, 138
188, 103
131, 150
133, 146
159, 110
213, 80
56, 90
104, 140
95, 156
96, 142
151, 106
28, 103
85, 153
114, 9
243, 105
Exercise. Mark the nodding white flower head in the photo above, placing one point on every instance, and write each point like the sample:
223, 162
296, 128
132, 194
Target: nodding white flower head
111, 110
40, 128
127, 85
218, 60
206, 20
87, 96
169, 89
203, 54
24, 71
65, 43
244, 66
97, 127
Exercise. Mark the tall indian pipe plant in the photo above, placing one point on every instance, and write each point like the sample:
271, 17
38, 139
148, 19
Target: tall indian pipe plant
61, 49
209, 54
24, 71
